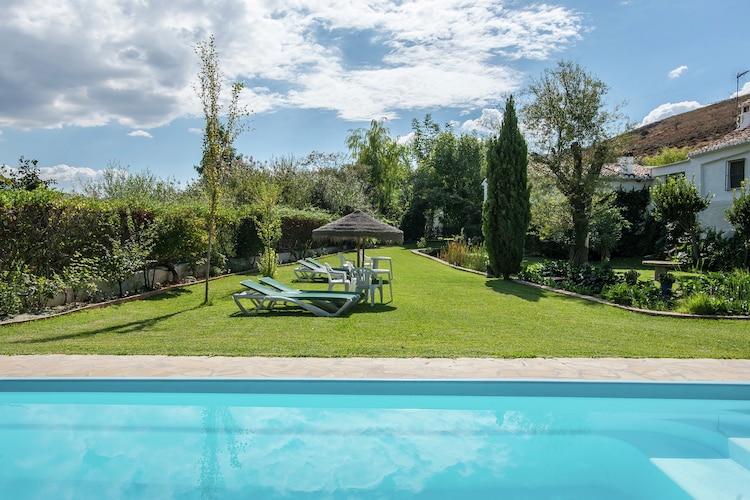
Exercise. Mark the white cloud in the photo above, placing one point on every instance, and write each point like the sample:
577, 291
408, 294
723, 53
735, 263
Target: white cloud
194, 130
406, 140
669, 109
69, 178
675, 73
93, 63
140, 133
744, 90
488, 123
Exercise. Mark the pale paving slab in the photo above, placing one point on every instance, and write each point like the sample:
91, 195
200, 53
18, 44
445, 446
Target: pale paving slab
693, 370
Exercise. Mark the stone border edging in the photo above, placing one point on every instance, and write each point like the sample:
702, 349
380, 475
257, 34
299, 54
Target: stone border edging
107, 303
650, 312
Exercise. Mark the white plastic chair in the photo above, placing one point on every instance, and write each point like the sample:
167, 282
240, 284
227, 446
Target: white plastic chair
337, 278
363, 282
345, 262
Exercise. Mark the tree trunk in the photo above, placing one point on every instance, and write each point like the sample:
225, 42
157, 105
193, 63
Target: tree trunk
208, 259
579, 252
696, 249
173, 271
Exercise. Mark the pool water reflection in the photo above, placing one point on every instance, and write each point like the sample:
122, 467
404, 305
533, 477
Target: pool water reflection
372, 439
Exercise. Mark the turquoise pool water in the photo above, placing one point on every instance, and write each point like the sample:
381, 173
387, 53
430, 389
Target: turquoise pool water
372, 439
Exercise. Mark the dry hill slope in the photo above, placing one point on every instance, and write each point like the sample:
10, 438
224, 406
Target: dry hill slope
693, 129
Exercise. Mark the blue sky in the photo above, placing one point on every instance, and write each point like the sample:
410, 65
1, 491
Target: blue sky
91, 84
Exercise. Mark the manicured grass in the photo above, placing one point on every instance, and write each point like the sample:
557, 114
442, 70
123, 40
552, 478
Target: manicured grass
437, 311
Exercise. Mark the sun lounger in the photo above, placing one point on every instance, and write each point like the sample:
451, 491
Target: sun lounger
314, 262
265, 280
343, 268
307, 271
320, 303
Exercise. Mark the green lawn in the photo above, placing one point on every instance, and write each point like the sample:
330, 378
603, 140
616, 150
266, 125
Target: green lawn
437, 311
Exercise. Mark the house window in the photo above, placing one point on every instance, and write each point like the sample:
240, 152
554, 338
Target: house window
735, 173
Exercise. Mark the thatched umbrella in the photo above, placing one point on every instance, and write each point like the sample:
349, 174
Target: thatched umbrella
358, 226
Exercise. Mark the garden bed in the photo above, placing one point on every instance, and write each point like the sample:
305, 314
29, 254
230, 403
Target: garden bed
555, 281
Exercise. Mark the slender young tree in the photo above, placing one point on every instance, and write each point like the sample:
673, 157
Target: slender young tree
218, 137
507, 210
268, 225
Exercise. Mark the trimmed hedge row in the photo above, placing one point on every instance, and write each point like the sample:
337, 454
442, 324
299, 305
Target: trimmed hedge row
47, 234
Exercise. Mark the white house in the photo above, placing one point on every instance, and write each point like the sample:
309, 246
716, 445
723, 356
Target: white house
718, 168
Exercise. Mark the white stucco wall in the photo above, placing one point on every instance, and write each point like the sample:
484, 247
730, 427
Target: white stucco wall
708, 172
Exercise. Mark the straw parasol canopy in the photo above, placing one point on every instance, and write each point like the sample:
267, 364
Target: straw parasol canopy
359, 226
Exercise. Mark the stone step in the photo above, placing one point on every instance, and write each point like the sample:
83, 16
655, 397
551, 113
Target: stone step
709, 478
739, 451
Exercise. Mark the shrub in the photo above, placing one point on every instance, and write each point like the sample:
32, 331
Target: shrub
459, 253
641, 295
722, 253
81, 275
10, 300
631, 277
666, 155
34, 291
726, 292
704, 304
587, 279
455, 252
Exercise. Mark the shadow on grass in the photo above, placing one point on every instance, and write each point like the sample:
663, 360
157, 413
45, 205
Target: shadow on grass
133, 326
295, 311
170, 294
525, 292
534, 294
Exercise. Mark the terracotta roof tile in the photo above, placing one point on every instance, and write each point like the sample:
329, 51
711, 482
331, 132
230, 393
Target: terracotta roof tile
733, 138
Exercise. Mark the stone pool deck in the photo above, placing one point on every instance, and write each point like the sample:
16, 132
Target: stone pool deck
630, 369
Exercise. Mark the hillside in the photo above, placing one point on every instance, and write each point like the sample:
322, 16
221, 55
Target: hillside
693, 129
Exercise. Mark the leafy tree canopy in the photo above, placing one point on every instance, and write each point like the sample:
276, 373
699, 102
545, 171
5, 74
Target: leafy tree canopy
571, 127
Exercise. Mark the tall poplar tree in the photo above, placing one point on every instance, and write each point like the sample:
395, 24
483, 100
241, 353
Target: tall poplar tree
507, 211
218, 138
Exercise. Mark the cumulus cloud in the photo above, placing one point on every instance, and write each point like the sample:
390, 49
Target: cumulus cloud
406, 139
744, 90
669, 109
70, 179
140, 133
95, 63
677, 72
488, 123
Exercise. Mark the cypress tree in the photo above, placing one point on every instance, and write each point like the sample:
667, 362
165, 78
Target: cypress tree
506, 213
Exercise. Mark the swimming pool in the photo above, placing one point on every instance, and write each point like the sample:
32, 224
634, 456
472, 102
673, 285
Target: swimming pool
176, 438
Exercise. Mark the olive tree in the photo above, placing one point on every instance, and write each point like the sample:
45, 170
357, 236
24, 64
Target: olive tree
571, 128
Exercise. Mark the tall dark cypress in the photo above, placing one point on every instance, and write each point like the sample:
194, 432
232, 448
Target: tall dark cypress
507, 211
